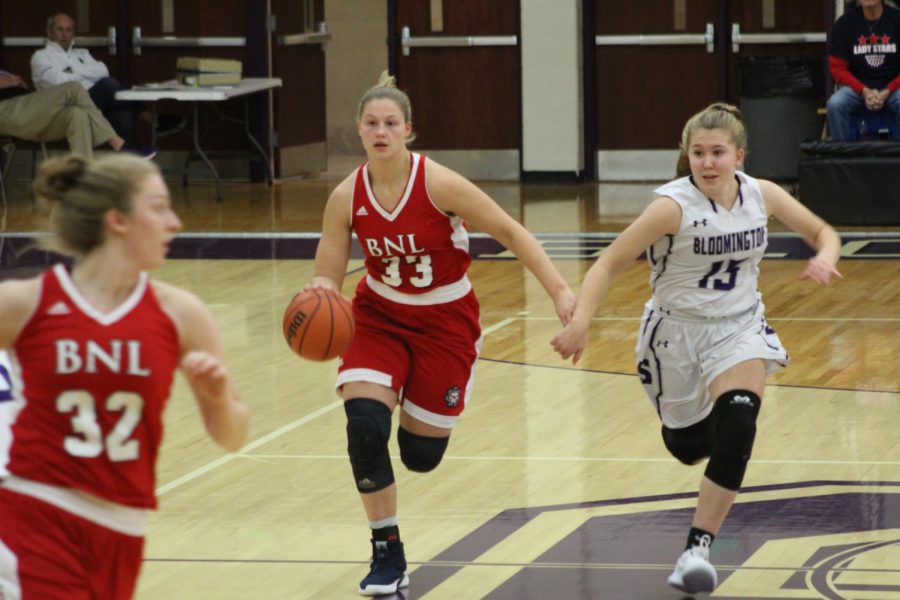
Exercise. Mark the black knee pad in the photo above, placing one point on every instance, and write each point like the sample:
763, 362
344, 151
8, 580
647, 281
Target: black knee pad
692, 443
735, 416
420, 453
368, 432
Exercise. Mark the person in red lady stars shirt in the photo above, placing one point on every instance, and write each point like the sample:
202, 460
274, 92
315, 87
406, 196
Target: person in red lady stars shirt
863, 58
417, 321
93, 350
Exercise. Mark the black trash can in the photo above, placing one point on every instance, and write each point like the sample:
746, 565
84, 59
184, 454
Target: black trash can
779, 101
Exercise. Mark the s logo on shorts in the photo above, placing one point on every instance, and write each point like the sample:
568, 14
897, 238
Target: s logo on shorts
451, 398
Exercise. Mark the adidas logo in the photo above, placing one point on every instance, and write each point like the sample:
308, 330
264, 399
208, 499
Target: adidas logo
60, 308
742, 400
362, 212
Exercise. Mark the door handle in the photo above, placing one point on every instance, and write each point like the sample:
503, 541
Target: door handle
173, 41
320, 36
87, 41
407, 41
738, 38
707, 38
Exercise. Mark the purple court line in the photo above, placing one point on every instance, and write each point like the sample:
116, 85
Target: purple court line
18, 248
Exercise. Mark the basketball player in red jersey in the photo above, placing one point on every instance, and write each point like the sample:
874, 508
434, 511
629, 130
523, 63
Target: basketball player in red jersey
417, 325
93, 352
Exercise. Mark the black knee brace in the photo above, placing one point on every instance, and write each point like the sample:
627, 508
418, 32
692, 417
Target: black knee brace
368, 432
735, 416
420, 453
692, 443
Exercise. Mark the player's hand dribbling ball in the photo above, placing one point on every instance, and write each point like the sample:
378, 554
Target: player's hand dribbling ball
318, 324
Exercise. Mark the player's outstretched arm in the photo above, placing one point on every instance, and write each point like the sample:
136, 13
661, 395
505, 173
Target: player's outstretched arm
815, 231
662, 217
455, 194
225, 415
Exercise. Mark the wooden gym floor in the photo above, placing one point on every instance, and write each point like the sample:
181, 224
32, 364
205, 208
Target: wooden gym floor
556, 483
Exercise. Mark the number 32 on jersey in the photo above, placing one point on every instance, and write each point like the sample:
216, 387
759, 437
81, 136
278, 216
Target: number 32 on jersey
88, 440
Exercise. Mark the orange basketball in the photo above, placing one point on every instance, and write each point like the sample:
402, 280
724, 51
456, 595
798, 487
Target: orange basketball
318, 324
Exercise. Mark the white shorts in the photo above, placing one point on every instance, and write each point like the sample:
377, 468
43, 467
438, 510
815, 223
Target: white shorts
678, 357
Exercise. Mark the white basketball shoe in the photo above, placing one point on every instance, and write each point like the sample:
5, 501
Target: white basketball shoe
693, 572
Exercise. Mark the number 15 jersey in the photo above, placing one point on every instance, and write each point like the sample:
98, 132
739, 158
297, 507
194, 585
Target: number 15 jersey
94, 387
710, 268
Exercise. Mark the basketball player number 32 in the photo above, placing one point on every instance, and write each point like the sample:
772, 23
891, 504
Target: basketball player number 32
721, 283
89, 443
423, 267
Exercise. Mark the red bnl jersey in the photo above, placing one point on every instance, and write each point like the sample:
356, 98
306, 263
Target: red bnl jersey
417, 326
94, 387
415, 248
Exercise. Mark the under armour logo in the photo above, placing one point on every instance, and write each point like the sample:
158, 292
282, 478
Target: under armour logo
663, 343
742, 400
697, 223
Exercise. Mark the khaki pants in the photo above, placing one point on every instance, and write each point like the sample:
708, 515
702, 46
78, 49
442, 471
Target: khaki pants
63, 111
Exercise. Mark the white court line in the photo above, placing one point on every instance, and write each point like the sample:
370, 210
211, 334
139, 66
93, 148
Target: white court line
254, 444
176, 483
584, 459
499, 324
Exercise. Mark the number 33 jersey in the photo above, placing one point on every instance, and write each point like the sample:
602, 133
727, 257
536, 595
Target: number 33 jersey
709, 269
416, 248
94, 387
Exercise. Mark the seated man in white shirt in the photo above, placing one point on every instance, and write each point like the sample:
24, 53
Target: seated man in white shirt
59, 62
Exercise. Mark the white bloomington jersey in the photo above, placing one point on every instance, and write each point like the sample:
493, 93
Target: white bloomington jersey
9, 408
709, 269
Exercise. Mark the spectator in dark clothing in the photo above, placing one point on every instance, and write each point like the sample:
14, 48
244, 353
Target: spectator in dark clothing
863, 57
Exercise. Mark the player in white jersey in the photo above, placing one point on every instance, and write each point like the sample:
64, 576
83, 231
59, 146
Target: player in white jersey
704, 347
8, 407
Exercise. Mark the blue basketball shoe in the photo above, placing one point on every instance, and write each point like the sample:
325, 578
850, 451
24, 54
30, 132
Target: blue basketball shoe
387, 573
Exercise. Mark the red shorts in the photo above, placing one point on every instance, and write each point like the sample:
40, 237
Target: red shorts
47, 553
424, 353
